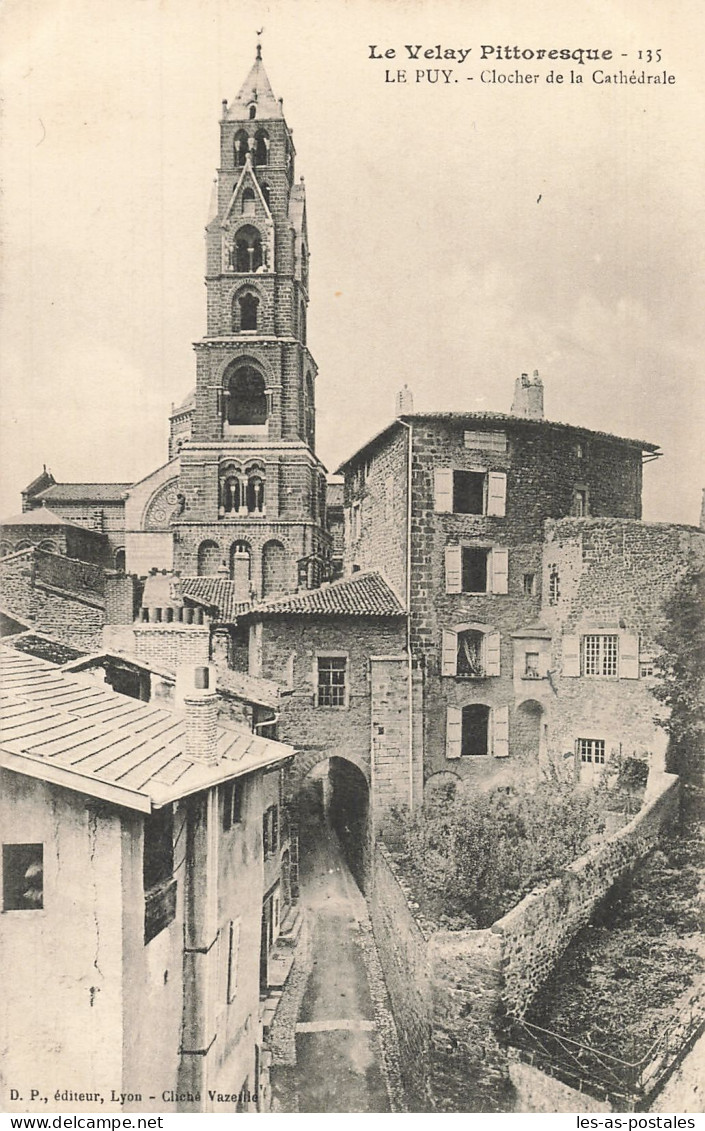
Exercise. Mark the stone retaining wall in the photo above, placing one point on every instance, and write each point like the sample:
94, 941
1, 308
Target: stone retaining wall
450, 989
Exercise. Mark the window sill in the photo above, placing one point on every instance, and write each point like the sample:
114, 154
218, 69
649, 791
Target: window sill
533, 678
472, 678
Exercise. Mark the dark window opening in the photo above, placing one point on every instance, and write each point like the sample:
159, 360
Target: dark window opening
469, 492
475, 563
554, 590
261, 147
580, 503
232, 804
240, 147
470, 658
529, 584
270, 831
476, 719
531, 665
253, 111
230, 494
23, 877
158, 854
245, 400
248, 252
248, 202
255, 494
248, 311
120, 560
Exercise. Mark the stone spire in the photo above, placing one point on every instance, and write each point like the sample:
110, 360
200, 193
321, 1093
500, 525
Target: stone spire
256, 91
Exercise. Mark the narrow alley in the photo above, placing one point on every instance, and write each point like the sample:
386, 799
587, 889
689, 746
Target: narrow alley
334, 1006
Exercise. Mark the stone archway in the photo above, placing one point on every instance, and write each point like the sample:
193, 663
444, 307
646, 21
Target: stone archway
333, 795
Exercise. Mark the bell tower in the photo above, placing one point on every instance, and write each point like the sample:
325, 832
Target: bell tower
254, 490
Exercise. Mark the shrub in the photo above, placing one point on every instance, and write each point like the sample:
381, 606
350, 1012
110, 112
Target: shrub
470, 858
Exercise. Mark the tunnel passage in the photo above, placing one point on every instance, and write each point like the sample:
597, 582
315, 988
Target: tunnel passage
348, 811
334, 792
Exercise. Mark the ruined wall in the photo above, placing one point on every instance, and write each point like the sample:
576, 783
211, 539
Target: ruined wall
537, 931
450, 989
62, 597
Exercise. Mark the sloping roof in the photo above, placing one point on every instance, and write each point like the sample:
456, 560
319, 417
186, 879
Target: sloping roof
362, 595
67, 729
251, 688
42, 516
257, 88
187, 404
335, 494
218, 592
41, 482
85, 492
490, 418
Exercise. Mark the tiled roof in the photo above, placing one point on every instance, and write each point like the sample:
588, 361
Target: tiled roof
362, 595
45, 647
85, 492
67, 729
489, 418
42, 516
218, 592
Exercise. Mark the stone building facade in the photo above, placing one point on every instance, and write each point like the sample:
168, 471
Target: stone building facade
135, 884
464, 513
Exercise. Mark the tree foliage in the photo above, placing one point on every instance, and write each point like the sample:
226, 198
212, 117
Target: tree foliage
469, 858
681, 670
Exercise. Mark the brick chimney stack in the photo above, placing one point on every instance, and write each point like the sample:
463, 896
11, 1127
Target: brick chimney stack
528, 396
404, 402
201, 717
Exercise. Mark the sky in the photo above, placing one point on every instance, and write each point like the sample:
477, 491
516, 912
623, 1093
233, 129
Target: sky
461, 232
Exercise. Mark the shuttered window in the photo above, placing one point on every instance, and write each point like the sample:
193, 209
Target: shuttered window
461, 491
454, 732
600, 653
500, 732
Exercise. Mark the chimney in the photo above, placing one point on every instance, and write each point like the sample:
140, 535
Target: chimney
404, 402
528, 396
201, 716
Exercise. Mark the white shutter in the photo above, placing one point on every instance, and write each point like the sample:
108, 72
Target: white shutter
496, 493
492, 640
628, 656
443, 488
449, 652
454, 732
454, 569
500, 732
500, 570
571, 655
